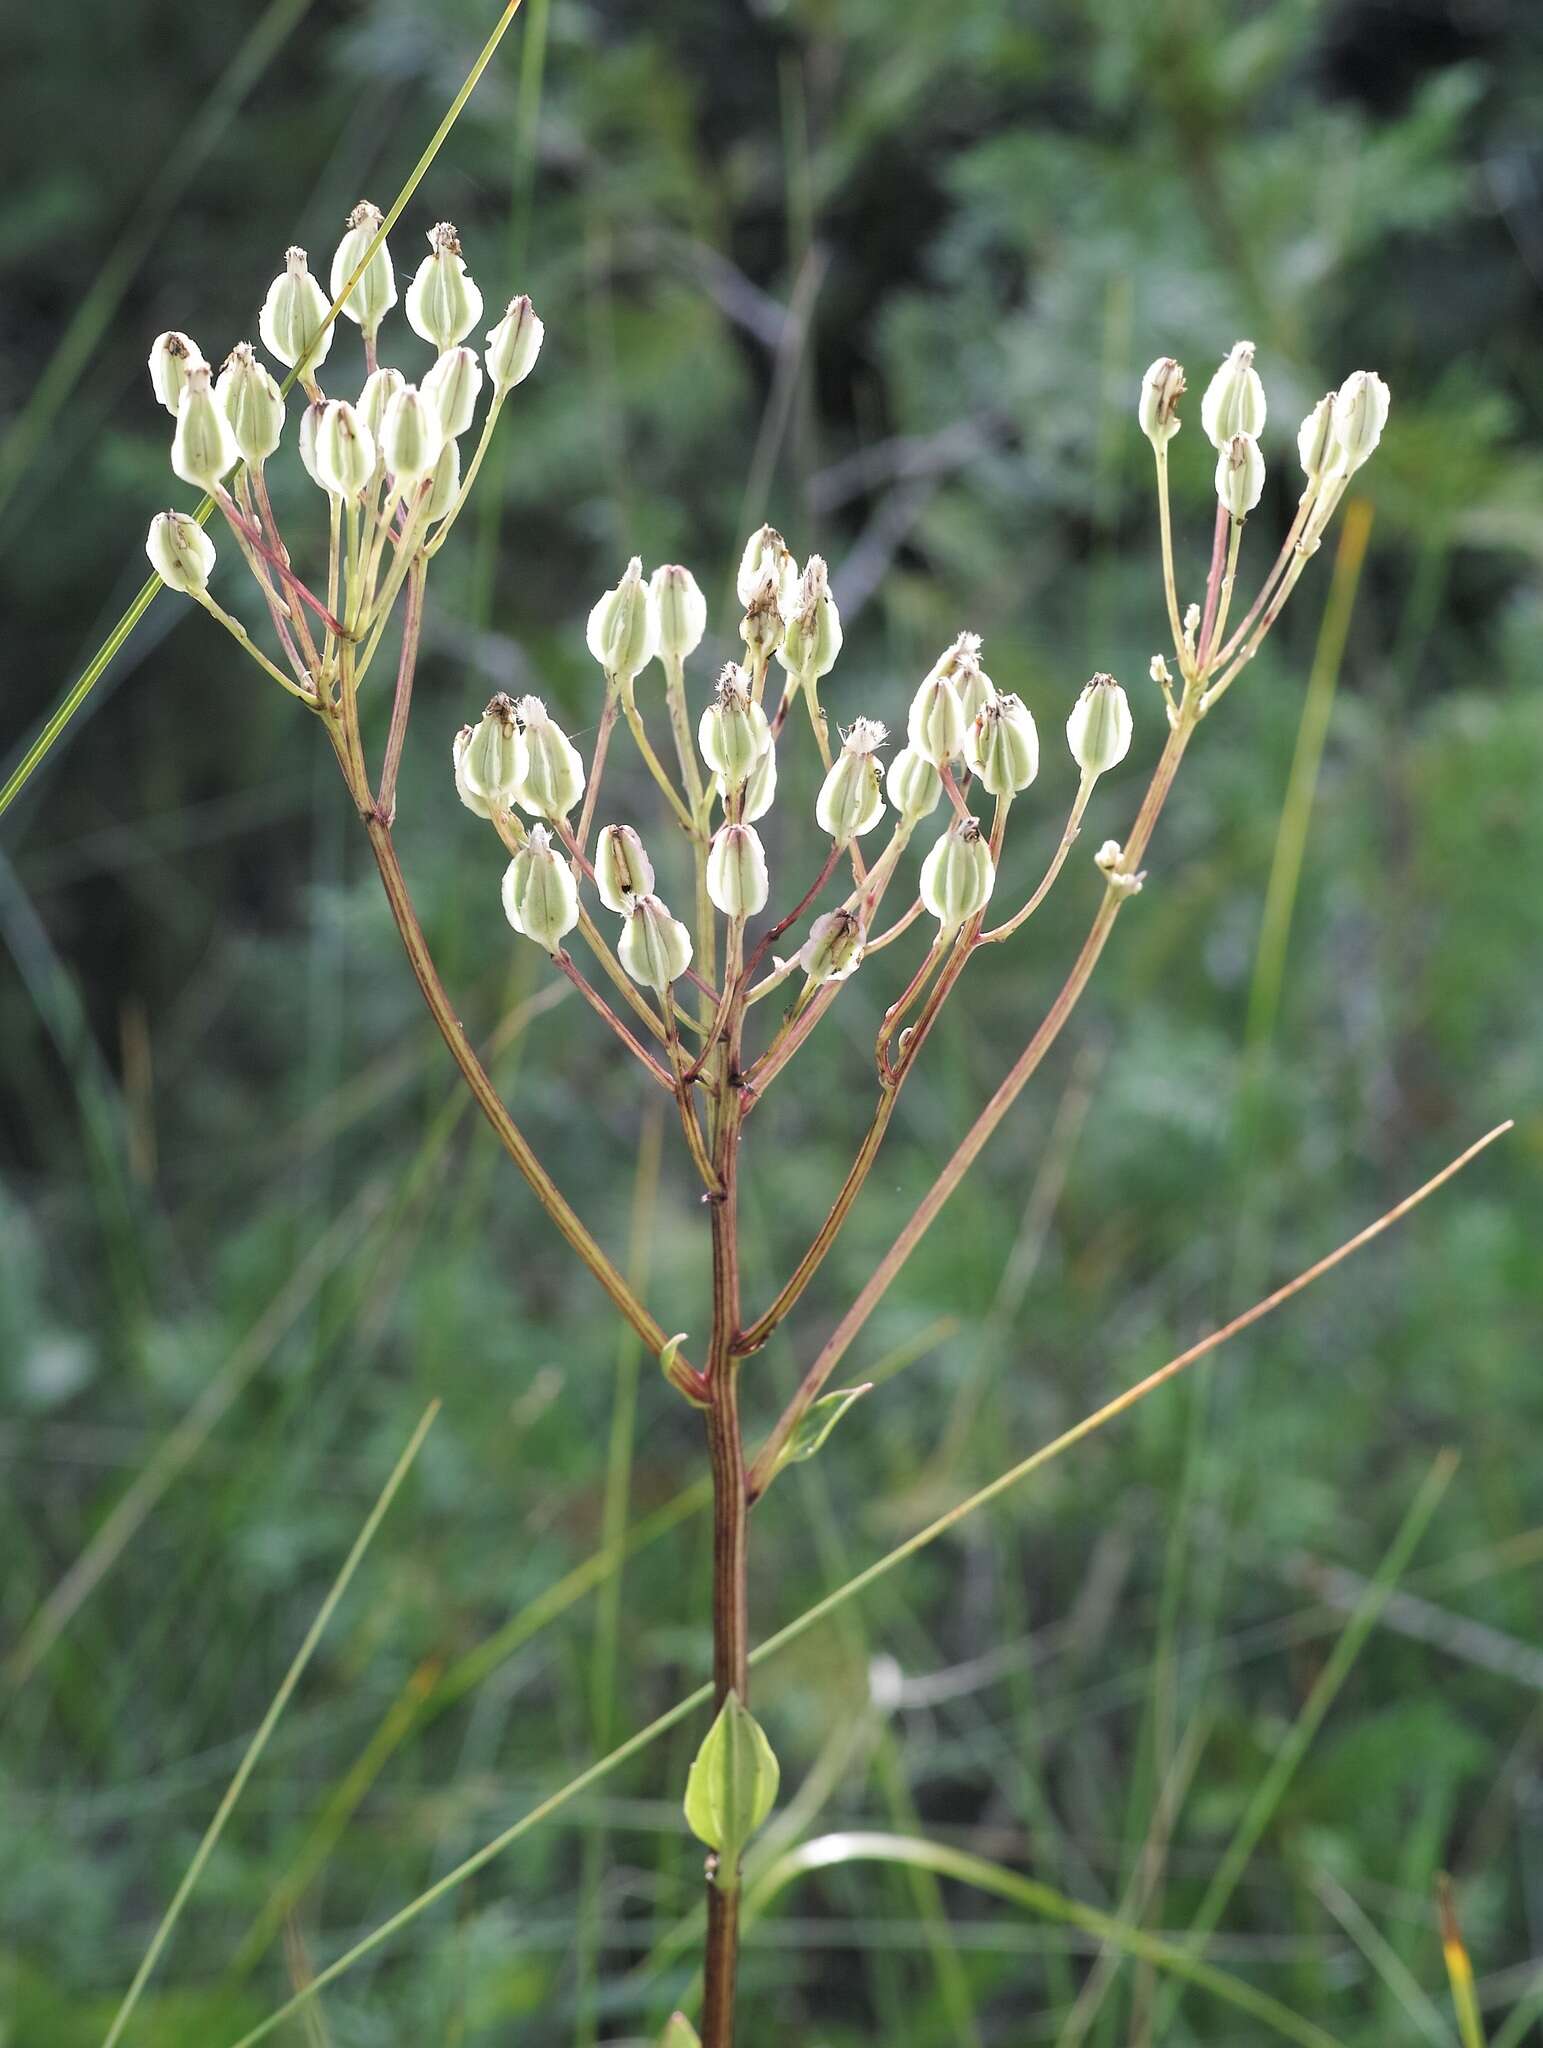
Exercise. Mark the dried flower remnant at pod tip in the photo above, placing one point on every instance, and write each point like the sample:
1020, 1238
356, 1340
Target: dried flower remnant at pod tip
733, 731
960, 665
623, 870
849, 803
767, 555
541, 899
812, 640
373, 296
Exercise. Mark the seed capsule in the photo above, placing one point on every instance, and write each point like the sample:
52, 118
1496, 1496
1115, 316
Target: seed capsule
1360, 414
443, 303
813, 637
554, 773
380, 387
345, 451
1002, 746
513, 346
411, 439
1234, 399
203, 448
253, 404
1240, 475
623, 630
914, 785
172, 355
732, 732
767, 554
736, 871
655, 947
492, 763
1316, 443
849, 803
760, 791
1099, 729
452, 386
468, 796
681, 609
180, 552
447, 482
623, 871
293, 319
375, 293
936, 723
958, 876
540, 899
1161, 389
834, 947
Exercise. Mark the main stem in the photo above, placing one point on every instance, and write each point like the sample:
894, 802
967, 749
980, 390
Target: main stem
725, 1443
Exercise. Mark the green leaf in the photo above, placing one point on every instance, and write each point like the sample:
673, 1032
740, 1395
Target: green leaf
817, 1422
731, 1787
680, 2033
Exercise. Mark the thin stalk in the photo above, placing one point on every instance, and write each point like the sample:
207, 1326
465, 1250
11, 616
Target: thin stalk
696, 799
608, 1016
1229, 580
401, 703
975, 1139
442, 531
1213, 583
1293, 535
596, 771
509, 1135
248, 645
680, 1087
901, 925
652, 762
1073, 827
1165, 522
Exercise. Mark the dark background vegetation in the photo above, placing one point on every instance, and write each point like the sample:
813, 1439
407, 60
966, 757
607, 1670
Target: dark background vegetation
224, 1113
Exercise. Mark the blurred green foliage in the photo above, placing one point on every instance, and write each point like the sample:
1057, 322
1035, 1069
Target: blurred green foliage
887, 273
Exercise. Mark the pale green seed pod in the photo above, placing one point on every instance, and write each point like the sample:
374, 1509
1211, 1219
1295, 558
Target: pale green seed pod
253, 404
292, 321
310, 419
766, 554
412, 440
834, 947
493, 762
623, 630
443, 302
345, 451
958, 877
1157, 409
1360, 414
180, 552
172, 355
681, 609
1234, 399
468, 796
1240, 476
540, 898
1002, 746
760, 791
513, 346
976, 689
452, 388
936, 724
1316, 442
732, 731
1099, 729
914, 784
623, 870
813, 637
447, 481
375, 294
737, 879
850, 803
762, 627
380, 387
203, 449
554, 774
655, 947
